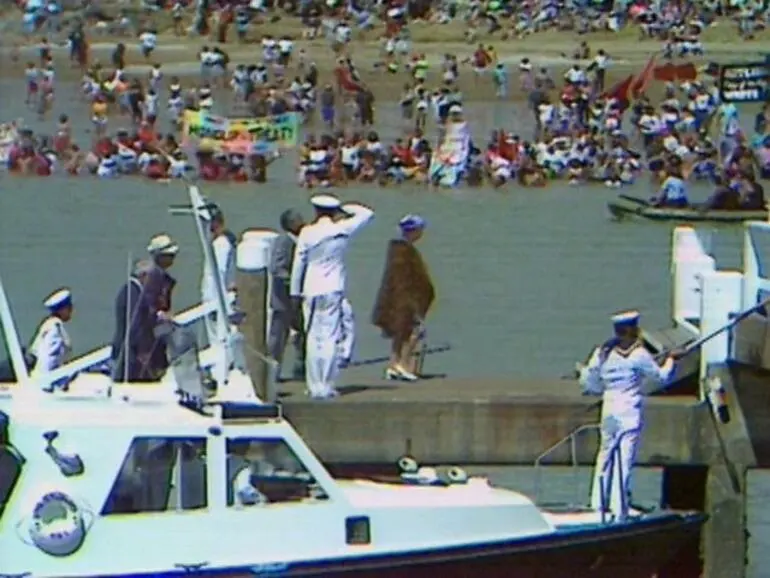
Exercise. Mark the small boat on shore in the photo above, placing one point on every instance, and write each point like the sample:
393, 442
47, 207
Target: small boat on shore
631, 207
195, 476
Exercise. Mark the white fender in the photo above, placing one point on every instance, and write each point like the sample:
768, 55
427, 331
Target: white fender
408, 465
457, 475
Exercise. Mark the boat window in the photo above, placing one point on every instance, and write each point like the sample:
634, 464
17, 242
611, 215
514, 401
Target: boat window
263, 471
10, 470
160, 474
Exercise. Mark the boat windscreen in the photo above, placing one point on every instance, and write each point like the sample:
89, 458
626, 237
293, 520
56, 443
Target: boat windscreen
189, 378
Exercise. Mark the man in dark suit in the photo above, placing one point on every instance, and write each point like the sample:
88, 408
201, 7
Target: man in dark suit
135, 321
286, 314
158, 289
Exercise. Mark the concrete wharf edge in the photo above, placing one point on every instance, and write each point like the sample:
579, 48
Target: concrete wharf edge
487, 421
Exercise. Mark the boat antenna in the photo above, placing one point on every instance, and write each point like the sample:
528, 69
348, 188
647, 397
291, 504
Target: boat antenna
11, 336
203, 213
129, 318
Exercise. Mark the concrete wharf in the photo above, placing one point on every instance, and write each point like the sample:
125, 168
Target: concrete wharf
523, 422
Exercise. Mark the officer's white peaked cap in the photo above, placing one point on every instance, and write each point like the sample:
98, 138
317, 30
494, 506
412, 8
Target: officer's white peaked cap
58, 299
328, 202
626, 318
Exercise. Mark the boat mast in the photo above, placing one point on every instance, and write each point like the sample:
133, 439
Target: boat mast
11, 336
203, 214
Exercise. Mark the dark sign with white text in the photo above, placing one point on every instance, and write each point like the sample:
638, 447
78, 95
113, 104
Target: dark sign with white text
744, 82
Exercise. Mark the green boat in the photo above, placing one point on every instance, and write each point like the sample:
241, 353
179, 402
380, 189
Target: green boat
631, 207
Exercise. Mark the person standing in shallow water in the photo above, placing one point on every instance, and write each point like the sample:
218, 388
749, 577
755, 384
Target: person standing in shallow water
405, 296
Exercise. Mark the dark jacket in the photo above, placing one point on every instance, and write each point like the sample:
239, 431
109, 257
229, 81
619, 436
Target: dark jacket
132, 313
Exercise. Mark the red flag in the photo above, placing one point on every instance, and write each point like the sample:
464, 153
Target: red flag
620, 91
643, 79
665, 73
686, 72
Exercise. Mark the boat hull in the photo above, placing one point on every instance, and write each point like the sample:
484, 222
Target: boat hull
633, 550
626, 206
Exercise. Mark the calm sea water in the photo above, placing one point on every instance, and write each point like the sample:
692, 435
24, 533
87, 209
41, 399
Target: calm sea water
526, 278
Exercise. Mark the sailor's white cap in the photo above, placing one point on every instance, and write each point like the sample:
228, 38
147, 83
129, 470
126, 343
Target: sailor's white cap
455, 109
328, 202
162, 245
626, 318
58, 299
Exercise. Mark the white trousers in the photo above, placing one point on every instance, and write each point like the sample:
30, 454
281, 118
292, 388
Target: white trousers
324, 328
348, 337
613, 473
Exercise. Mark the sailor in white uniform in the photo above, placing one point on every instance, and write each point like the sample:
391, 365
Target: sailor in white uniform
318, 276
51, 344
616, 371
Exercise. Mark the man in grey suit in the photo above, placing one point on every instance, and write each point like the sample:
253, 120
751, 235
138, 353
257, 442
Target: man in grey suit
286, 312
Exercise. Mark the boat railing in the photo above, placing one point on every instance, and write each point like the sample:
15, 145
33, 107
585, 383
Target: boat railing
98, 357
612, 466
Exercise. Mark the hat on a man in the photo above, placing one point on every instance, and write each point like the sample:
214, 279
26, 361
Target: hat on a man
59, 299
325, 202
626, 319
162, 245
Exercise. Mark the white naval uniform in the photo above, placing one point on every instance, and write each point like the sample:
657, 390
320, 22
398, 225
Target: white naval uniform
244, 493
318, 275
224, 253
618, 375
50, 347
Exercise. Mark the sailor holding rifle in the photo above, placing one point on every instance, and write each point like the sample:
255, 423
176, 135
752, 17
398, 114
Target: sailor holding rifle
51, 343
616, 371
318, 277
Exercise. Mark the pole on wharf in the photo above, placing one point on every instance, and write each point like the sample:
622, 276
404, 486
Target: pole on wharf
252, 281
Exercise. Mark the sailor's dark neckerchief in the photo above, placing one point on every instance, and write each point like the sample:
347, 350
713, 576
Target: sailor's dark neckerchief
613, 344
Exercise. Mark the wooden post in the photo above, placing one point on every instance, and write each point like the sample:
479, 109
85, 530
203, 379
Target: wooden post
252, 283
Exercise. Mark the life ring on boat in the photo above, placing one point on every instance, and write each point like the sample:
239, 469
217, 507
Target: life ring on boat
457, 475
58, 524
408, 465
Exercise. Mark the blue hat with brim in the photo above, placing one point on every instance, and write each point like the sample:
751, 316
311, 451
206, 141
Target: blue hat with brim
58, 300
626, 319
412, 223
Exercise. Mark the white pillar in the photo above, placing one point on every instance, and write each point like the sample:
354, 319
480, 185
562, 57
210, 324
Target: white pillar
253, 282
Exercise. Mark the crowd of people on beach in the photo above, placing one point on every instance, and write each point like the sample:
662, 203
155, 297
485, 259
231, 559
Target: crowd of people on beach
582, 132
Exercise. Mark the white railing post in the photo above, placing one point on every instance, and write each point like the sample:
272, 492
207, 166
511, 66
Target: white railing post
689, 260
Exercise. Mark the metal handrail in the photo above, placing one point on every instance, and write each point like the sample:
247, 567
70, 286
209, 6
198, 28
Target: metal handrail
606, 475
570, 437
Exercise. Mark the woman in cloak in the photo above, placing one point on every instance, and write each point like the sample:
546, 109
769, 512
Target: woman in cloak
404, 299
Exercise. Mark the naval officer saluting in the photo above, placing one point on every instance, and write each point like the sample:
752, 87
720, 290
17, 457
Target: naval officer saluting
616, 371
51, 343
318, 277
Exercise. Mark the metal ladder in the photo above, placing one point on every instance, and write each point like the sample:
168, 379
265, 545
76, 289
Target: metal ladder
605, 477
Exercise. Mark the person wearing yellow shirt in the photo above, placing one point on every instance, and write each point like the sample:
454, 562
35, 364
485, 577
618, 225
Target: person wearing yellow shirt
99, 115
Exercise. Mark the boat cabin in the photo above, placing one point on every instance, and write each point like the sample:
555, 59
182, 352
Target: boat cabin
80, 473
